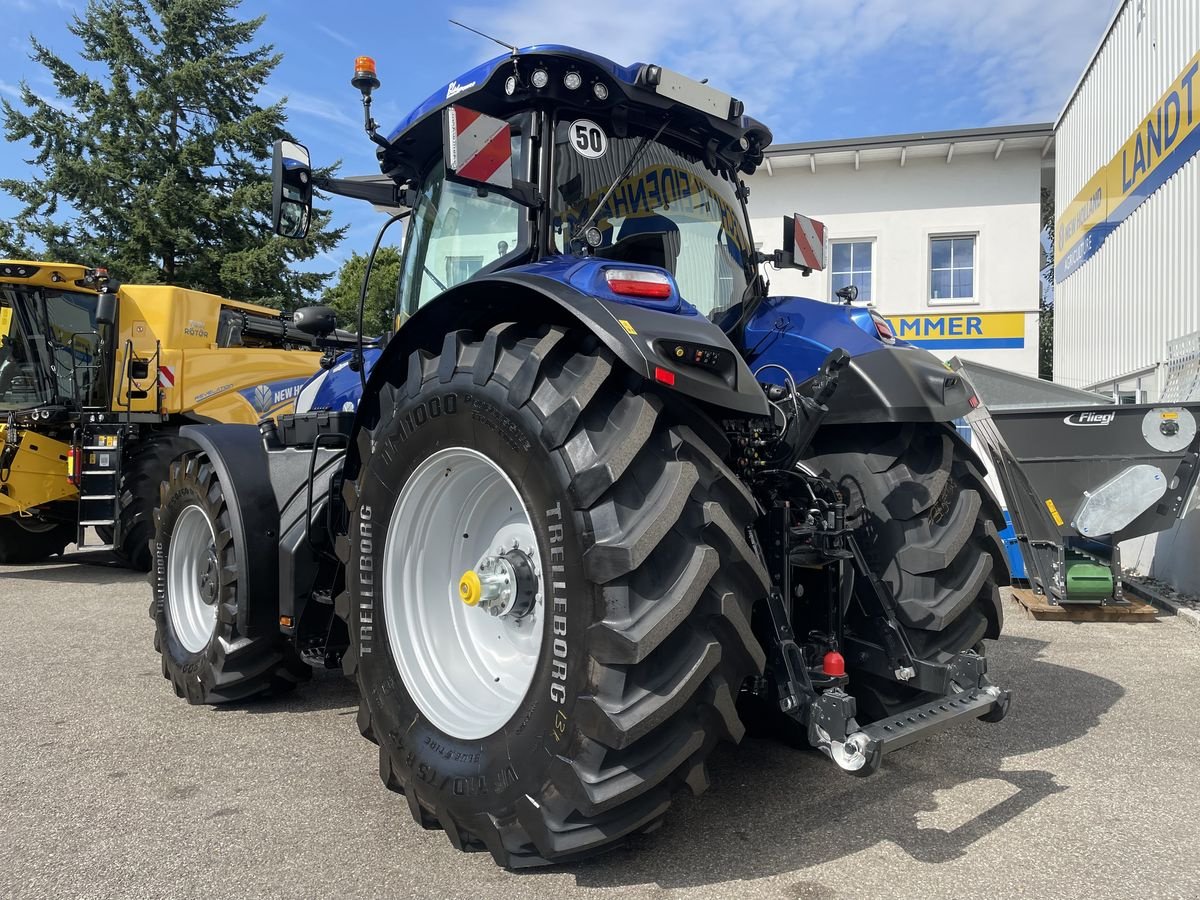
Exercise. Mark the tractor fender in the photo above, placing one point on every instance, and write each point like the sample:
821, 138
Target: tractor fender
240, 460
637, 335
898, 384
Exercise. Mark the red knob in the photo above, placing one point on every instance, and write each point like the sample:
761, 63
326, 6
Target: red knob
834, 664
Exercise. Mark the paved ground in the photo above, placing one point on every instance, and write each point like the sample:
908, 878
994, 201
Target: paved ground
109, 786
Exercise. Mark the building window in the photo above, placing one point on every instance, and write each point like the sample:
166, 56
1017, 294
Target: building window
852, 264
952, 269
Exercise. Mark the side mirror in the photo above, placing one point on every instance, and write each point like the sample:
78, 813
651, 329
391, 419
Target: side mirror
804, 244
315, 320
291, 189
477, 149
106, 308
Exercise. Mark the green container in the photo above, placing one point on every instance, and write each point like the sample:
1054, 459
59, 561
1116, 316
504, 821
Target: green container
1088, 582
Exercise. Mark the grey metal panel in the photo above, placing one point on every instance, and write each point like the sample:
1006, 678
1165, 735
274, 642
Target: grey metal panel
1002, 389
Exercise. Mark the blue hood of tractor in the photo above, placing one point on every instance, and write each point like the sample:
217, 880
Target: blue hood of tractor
797, 333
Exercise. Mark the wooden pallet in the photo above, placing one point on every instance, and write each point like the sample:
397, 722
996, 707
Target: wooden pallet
1039, 607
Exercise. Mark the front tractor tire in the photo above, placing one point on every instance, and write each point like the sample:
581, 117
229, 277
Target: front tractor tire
198, 594
927, 524
549, 720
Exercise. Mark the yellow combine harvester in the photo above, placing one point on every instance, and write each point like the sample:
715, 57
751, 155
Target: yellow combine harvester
95, 381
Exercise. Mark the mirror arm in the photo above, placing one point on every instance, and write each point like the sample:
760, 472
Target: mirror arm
781, 259
371, 191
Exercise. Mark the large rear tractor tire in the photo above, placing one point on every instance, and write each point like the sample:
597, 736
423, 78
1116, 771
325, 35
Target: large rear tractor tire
141, 474
31, 540
550, 717
198, 595
927, 524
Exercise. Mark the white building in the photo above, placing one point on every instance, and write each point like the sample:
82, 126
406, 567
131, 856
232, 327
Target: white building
938, 230
1127, 241
1127, 199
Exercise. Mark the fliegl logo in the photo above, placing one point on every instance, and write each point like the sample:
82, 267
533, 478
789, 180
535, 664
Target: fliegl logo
1089, 419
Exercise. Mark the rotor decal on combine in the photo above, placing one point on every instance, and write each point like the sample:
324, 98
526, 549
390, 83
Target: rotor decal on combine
166, 377
482, 147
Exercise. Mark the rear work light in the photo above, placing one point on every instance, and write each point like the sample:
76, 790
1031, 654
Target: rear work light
638, 283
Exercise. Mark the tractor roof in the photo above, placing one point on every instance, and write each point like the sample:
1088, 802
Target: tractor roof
640, 88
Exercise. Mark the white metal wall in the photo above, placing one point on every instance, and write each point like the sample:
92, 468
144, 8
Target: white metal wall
1117, 312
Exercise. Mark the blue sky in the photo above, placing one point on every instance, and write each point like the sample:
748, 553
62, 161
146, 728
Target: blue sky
810, 69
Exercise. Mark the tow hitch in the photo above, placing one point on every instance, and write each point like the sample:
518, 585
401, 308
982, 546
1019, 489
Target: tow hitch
832, 727
810, 675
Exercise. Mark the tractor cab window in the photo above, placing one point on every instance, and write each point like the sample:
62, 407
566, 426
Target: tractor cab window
49, 348
671, 211
456, 231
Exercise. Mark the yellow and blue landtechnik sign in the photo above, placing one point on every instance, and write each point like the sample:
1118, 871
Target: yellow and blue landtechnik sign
1164, 141
961, 331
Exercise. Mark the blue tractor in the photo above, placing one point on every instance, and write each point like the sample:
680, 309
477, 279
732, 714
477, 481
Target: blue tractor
601, 501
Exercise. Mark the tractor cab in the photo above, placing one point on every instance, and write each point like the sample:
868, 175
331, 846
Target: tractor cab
548, 157
50, 340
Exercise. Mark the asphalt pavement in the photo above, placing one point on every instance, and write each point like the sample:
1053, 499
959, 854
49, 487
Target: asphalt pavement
111, 786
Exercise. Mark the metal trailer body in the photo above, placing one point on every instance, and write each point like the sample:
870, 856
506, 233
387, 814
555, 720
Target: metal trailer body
1079, 478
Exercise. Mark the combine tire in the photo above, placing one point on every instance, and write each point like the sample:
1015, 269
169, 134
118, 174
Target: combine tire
197, 597
30, 540
928, 527
565, 721
142, 472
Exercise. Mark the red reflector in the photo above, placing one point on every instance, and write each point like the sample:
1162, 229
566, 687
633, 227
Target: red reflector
640, 288
974, 401
665, 376
834, 664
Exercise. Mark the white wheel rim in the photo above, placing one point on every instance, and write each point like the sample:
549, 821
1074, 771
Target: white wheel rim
467, 670
193, 579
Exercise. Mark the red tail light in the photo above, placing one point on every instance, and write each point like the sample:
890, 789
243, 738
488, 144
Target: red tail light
638, 283
883, 328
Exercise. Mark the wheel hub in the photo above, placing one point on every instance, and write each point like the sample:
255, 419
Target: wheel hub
503, 584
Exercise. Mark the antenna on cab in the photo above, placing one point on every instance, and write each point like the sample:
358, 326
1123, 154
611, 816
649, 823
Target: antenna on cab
509, 47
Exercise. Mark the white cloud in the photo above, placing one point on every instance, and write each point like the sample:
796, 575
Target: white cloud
1017, 59
309, 105
11, 90
336, 35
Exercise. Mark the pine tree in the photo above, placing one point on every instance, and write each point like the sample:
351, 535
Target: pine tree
159, 165
381, 291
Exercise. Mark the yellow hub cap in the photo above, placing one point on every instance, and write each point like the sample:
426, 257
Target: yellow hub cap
469, 588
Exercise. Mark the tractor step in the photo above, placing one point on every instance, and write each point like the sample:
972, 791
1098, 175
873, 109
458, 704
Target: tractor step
900, 730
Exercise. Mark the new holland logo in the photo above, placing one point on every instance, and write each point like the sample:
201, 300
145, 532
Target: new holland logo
262, 397
1083, 419
453, 89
